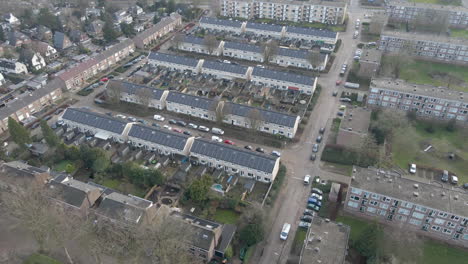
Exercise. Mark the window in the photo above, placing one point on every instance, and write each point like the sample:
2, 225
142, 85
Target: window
374, 203
454, 217
443, 214
375, 196
439, 221
386, 199
402, 218
382, 212
420, 208
356, 191
447, 231
353, 197
408, 205
414, 222
418, 215
403, 211
383, 206
395, 203
371, 210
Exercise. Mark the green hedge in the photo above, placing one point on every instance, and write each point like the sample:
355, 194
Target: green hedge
341, 155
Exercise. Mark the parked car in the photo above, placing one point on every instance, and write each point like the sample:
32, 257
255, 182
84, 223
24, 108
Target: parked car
322, 130
188, 133
445, 176
346, 100
315, 148
454, 179
172, 121
318, 139
216, 138
156, 125
313, 157
192, 125
132, 119
340, 113
58, 111
465, 186
412, 168
142, 121
229, 142
335, 93
158, 118
338, 82
285, 231
47, 118
109, 114
306, 218
217, 131
121, 116
167, 127
316, 196
316, 190
59, 122
313, 207
203, 128
248, 147
308, 212
314, 201
259, 149
105, 79
276, 153
303, 224
181, 123
177, 130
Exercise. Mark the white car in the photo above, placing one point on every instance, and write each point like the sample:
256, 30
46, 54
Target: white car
276, 153
217, 139
192, 125
203, 128
158, 118
121, 116
412, 168
316, 196
167, 127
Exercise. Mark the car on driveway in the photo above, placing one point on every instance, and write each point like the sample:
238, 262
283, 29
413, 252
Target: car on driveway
306, 218
412, 168
308, 212
216, 138
318, 191
229, 142
259, 149
445, 176
203, 128
158, 118
316, 196
315, 148
313, 207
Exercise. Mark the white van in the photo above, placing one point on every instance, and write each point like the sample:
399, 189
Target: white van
285, 231
307, 180
217, 131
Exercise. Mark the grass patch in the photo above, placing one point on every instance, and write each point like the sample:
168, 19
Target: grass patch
249, 253
110, 183
408, 144
336, 124
436, 252
439, 2
62, 165
357, 225
298, 241
123, 186
459, 33
40, 259
226, 216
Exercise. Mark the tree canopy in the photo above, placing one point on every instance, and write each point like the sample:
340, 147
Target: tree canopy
19, 134
198, 190
49, 135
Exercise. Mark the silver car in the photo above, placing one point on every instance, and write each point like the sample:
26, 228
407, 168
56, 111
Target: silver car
315, 148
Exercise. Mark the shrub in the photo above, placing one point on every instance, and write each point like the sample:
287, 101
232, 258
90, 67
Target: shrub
451, 125
430, 128
69, 168
341, 155
337, 45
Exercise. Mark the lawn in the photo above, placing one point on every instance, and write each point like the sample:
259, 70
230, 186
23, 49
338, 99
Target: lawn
61, 165
408, 144
436, 74
357, 225
298, 241
459, 33
439, 2
226, 216
123, 186
40, 259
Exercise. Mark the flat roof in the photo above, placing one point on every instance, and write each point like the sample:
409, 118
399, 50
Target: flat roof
132, 88
283, 76
312, 32
192, 100
326, 242
235, 155
93, 119
159, 136
170, 58
371, 56
242, 46
427, 5
449, 199
221, 22
416, 36
267, 115
419, 89
264, 27
225, 67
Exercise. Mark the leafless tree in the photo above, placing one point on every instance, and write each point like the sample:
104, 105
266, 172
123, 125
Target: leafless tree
144, 96
269, 50
377, 23
211, 43
114, 91
389, 121
222, 111
368, 148
396, 61
429, 20
314, 58
177, 40
255, 119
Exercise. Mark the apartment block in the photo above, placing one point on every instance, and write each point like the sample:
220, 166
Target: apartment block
328, 12
23, 103
268, 121
427, 101
405, 11
284, 80
152, 34
427, 46
132, 93
235, 160
408, 203
192, 105
76, 76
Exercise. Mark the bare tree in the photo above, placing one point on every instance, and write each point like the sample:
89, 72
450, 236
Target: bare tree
177, 40
222, 111
255, 119
269, 50
211, 43
377, 23
114, 91
144, 96
429, 20
315, 60
398, 60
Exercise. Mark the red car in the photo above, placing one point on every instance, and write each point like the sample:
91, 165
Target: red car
229, 142
177, 130
105, 79
338, 82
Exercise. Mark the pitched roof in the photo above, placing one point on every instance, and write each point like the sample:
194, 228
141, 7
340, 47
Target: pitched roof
235, 155
226, 67
221, 22
71, 191
159, 136
93, 119
132, 88
59, 40
242, 46
18, 172
191, 100
127, 208
158, 56
264, 27
154, 29
267, 115
283, 76
312, 32
194, 40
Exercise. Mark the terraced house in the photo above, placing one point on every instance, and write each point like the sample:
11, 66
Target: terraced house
216, 24
311, 34
201, 107
417, 205
266, 30
242, 51
329, 12
133, 93
224, 70
194, 44
284, 80
152, 34
235, 160
427, 101
174, 62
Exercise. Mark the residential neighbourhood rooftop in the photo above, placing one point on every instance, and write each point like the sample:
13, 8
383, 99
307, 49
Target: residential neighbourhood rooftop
264, 27
427, 5
242, 46
420, 89
416, 36
133, 88
267, 115
192, 100
71, 191
221, 22
170, 58
93, 119
126, 208
412, 189
235, 155
312, 31
225, 67
159, 136
283, 76
194, 40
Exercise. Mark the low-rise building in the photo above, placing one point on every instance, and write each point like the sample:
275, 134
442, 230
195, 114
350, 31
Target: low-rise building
22, 105
369, 62
235, 160
151, 35
132, 93
12, 66
427, 101
284, 80
427, 46
223, 70
267, 121
61, 41
95, 28
101, 126
198, 45
211, 23
46, 50
267, 30
33, 60
311, 34
11, 19
18, 39
162, 141
298, 58
175, 62
208, 239
410, 203
192, 105
17, 174
122, 16
242, 51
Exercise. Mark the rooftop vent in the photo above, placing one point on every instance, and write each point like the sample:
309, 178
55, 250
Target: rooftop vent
442, 194
455, 197
432, 195
317, 249
416, 194
416, 186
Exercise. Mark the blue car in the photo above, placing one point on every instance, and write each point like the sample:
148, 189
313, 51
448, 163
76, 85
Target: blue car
312, 200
